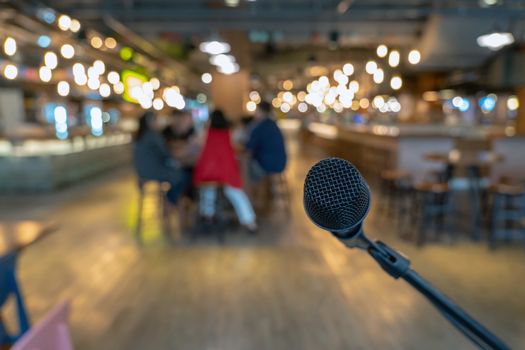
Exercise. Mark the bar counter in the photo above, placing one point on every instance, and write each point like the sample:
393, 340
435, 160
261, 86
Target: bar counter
36, 165
374, 148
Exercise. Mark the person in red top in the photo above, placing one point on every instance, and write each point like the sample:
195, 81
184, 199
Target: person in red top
217, 165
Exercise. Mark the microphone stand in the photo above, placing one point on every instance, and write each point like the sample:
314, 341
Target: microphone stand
398, 266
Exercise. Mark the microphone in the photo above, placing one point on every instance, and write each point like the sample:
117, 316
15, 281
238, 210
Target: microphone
337, 199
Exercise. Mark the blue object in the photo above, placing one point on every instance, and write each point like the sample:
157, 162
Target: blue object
487, 103
8, 287
464, 106
266, 144
43, 41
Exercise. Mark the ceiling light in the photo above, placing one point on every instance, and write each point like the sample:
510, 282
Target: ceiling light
371, 67
228, 69
285, 107
364, 103
118, 88
10, 71
75, 25
10, 46
79, 69
206, 78
63, 88
382, 50
104, 90
348, 69
393, 58
80, 79
396, 82
513, 103
93, 83
302, 107
221, 59
99, 66
158, 104
113, 77
214, 47
96, 42
110, 42
378, 102
414, 57
67, 51
43, 41
45, 74
254, 96
379, 75
155, 83
251, 106
64, 22
51, 60
353, 86
231, 3
495, 41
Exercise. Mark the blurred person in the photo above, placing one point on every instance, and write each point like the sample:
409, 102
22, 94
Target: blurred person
184, 142
153, 161
242, 131
265, 145
217, 164
180, 126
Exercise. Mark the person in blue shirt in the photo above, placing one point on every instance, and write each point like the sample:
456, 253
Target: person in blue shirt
265, 145
153, 160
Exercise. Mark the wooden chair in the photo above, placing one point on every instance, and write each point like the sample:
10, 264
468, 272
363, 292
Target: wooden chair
51, 333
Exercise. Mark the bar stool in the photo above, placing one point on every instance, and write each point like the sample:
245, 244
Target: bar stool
274, 189
216, 224
508, 213
162, 203
395, 188
280, 190
434, 205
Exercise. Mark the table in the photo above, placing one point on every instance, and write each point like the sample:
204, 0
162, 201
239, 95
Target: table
472, 161
15, 236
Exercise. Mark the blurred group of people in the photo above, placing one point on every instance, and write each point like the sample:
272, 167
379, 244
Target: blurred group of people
197, 163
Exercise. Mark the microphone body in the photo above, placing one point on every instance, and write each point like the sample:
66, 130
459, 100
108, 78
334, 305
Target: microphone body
337, 199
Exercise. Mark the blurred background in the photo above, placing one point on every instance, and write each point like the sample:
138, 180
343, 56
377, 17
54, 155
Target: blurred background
140, 216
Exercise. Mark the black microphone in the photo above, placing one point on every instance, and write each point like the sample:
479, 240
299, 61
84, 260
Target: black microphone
337, 199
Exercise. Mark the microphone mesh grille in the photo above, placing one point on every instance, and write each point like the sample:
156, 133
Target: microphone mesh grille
336, 197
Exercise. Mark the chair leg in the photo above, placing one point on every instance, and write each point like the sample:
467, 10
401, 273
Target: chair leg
138, 224
285, 193
166, 218
496, 207
425, 220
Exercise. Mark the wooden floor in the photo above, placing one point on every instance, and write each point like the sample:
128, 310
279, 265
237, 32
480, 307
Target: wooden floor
291, 287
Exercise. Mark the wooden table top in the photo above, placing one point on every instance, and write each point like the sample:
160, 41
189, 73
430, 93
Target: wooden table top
17, 235
466, 158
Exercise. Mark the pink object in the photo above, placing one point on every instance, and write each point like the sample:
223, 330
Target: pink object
51, 333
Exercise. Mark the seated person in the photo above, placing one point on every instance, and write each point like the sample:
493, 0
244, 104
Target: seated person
184, 143
265, 145
217, 164
153, 161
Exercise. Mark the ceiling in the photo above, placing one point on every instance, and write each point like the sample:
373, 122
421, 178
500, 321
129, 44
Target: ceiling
291, 31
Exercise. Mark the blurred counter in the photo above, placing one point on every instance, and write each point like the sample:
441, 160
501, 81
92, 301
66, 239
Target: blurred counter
43, 165
374, 148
